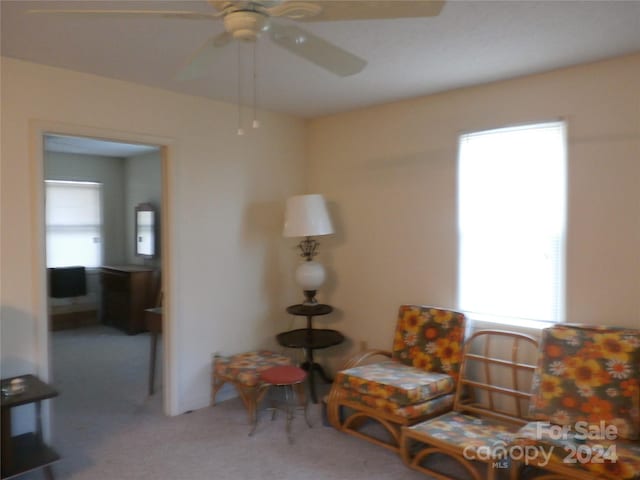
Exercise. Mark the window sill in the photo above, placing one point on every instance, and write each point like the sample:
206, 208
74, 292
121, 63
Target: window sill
529, 327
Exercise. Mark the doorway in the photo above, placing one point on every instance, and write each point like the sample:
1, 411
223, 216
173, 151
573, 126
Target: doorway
38, 129
92, 191
103, 267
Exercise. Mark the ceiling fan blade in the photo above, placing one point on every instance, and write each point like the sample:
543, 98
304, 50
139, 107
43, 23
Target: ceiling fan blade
294, 9
316, 50
186, 15
196, 65
333, 10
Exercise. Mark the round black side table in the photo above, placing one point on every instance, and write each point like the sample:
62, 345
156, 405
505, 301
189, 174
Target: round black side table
310, 339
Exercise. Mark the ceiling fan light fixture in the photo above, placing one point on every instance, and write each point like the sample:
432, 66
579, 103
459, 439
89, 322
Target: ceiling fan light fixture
245, 24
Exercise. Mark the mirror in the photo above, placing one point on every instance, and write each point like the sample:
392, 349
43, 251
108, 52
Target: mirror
145, 230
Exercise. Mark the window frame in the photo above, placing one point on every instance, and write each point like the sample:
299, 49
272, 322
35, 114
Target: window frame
489, 318
101, 215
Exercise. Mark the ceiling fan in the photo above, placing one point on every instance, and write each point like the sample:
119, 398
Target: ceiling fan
246, 20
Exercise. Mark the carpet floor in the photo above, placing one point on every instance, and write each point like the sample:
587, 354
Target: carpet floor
105, 427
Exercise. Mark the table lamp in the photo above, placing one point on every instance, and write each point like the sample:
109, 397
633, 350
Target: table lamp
307, 216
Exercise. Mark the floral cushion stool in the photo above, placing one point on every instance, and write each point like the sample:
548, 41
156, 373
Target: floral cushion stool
243, 371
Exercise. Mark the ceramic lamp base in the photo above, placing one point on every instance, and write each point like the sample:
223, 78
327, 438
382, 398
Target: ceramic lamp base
310, 276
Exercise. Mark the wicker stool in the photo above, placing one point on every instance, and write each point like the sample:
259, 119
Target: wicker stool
289, 379
243, 371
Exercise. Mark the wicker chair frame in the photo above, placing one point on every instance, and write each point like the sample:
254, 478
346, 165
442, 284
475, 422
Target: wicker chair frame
477, 398
352, 416
349, 417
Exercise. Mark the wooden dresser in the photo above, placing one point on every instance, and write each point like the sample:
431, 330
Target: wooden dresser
127, 291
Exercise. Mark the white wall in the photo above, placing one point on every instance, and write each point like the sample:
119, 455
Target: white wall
126, 182
390, 174
229, 265
143, 177
110, 171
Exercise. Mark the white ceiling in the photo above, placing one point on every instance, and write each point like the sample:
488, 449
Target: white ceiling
93, 146
469, 43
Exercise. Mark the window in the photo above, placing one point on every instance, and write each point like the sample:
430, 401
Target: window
74, 223
511, 223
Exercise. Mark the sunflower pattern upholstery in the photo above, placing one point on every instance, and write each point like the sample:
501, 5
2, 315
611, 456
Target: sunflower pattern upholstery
583, 457
586, 402
415, 382
243, 371
395, 383
490, 404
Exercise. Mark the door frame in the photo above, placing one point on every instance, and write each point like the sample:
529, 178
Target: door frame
37, 131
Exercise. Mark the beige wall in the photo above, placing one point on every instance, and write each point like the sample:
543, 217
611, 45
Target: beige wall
390, 174
229, 265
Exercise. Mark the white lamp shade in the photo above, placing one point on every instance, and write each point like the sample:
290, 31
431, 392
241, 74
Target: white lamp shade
306, 216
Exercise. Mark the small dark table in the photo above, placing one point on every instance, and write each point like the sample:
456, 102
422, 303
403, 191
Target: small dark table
153, 323
22, 453
310, 339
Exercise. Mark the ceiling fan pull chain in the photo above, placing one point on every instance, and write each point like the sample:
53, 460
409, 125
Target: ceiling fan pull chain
256, 123
239, 101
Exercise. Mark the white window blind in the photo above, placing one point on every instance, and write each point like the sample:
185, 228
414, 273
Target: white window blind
74, 223
511, 223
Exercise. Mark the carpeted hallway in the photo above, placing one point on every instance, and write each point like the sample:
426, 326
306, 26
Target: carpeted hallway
106, 427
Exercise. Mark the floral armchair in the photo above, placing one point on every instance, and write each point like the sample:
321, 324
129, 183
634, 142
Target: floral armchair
416, 381
586, 399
